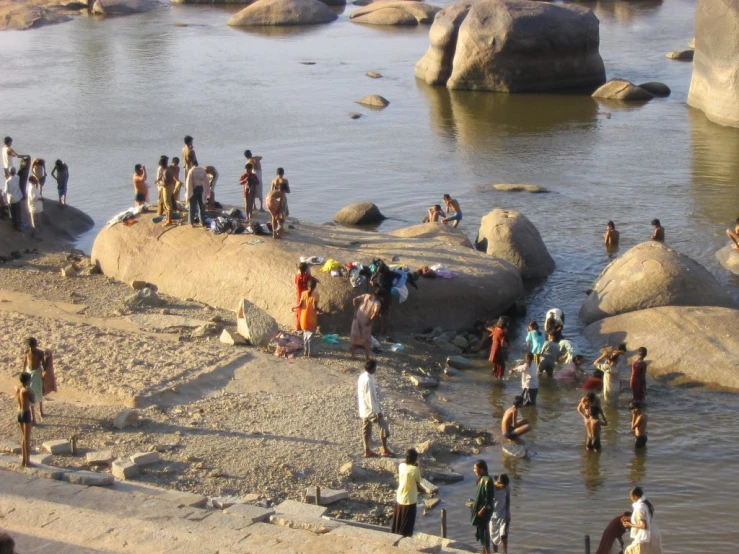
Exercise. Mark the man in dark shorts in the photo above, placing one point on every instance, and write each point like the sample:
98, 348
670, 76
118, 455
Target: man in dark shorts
638, 425
592, 426
510, 425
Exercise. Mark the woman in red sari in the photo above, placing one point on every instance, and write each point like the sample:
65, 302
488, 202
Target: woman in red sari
302, 277
499, 334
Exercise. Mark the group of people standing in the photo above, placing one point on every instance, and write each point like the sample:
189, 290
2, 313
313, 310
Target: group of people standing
24, 186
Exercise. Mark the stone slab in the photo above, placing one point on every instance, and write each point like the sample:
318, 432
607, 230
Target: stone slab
44, 471
58, 447
124, 469
313, 524
223, 502
89, 478
429, 504
99, 458
126, 418
145, 458
328, 496
367, 535
515, 450
41, 459
428, 486
459, 362
441, 476
184, 499
293, 507
423, 382
254, 514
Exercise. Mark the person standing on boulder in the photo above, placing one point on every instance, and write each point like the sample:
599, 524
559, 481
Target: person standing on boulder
249, 181
638, 381
13, 197
195, 185
282, 184
61, 174
8, 155
256, 162
35, 205
659, 232
453, 211
370, 411
165, 187
734, 235
189, 159
174, 167
498, 350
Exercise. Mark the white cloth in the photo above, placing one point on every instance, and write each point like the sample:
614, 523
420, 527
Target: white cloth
367, 396
7, 158
197, 177
556, 314
529, 375
611, 382
568, 349
640, 510
35, 204
12, 189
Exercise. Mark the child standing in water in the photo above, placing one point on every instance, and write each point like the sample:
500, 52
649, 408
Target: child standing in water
529, 379
535, 341
638, 425
308, 307
24, 399
593, 425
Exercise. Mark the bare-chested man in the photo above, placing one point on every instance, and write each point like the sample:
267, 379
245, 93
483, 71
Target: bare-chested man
659, 232
282, 184
140, 186
639, 425
435, 213
24, 400
734, 235
610, 239
256, 162
593, 424
511, 426
453, 211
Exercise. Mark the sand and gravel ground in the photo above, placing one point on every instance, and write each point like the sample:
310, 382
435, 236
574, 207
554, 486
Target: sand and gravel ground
227, 420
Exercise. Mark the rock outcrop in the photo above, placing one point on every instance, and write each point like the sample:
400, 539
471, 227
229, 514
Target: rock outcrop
395, 13
656, 88
729, 258
714, 87
648, 276
222, 269
374, 101
513, 46
681, 55
510, 236
21, 16
123, 7
684, 344
359, 213
618, 89
283, 12
442, 233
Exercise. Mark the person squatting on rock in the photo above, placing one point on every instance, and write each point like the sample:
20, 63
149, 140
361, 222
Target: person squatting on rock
512, 427
406, 497
370, 412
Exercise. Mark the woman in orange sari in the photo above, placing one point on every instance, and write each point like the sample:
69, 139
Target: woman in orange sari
302, 277
499, 334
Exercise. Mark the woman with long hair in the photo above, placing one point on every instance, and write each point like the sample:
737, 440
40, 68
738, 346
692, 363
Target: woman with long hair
498, 350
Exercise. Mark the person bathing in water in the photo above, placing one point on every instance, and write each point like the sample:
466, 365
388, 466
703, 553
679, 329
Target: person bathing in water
453, 211
610, 239
638, 425
734, 235
510, 425
593, 424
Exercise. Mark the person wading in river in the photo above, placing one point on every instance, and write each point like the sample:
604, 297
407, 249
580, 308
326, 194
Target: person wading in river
611, 238
512, 427
638, 381
638, 425
659, 232
498, 350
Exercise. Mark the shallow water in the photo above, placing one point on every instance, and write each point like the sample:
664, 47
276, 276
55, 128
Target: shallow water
105, 95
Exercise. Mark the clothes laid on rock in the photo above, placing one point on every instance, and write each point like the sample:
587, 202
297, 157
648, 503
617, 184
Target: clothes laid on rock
286, 345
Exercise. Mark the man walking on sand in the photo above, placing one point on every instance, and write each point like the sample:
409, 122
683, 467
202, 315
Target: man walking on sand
370, 411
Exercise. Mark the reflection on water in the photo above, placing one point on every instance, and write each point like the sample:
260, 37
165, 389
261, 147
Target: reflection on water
714, 169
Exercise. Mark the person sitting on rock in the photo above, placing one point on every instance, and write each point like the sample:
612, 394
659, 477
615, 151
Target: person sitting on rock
734, 235
510, 425
659, 231
453, 211
434, 214
610, 239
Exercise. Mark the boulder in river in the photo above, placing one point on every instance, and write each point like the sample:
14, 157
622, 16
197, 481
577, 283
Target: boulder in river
374, 101
513, 46
283, 12
684, 344
714, 87
510, 187
359, 213
681, 55
395, 13
729, 258
625, 91
651, 275
656, 88
123, 7
21, 16
510, 235
442, 233
220, 270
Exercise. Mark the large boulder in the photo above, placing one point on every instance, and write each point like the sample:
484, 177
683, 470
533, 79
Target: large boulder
683, 344
123, 7
714, 87
618, 89
510, 236
513, 46
395, 13
220, 270
729, 258
651, 275
443, 233
359, 213
21, 16
283, 12
254, 324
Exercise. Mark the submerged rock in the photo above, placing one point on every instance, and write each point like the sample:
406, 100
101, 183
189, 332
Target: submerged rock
374, 101
651, 275
682, 55
283, 12
656, 88
507, 187
729, 258
513, 46
619, 89
359, 213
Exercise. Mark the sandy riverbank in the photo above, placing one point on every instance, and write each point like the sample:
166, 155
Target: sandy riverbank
228, 420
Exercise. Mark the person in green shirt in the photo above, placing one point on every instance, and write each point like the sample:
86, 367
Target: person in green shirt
482, 505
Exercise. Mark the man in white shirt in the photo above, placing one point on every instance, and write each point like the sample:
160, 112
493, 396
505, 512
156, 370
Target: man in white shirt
8, 155
13, 197
370, 411
529, 379
196, 184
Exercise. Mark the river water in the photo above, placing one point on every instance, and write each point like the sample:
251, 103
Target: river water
105, 95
